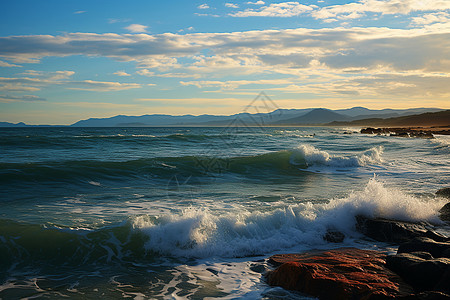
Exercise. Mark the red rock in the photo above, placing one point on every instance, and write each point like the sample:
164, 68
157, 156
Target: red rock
345, 273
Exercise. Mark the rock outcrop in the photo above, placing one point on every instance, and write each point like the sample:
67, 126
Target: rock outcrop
422, 271
345, 273
445, 212
391, 231
402, 132
419, 271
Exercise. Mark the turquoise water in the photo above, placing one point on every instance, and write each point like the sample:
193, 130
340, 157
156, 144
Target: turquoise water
189, 212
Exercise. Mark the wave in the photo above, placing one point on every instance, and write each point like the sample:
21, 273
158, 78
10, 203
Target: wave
23, 243
315, 157
284, 162
441, 143
201, 233
80, 141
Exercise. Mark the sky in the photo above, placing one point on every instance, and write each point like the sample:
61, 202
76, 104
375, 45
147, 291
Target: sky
63, 61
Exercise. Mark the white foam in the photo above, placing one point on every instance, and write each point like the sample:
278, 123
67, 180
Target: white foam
442, 142
316, 157
198, 232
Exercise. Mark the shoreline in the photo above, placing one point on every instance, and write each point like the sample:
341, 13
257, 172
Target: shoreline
420, 269
417, 131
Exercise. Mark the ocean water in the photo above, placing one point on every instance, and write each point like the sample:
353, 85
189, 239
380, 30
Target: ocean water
176, 213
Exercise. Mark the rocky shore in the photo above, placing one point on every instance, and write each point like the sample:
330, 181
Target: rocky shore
422, 132
419, 270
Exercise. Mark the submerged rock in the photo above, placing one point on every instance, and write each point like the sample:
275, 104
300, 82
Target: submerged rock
334, 236
345, 273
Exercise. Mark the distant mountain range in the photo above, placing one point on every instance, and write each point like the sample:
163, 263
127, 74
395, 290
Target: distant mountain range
356, 116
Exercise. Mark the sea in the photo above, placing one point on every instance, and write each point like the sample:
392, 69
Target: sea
195, 212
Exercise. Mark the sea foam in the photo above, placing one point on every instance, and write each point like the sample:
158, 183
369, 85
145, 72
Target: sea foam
316, 157
198, 232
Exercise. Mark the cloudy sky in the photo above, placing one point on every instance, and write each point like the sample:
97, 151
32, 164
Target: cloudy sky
62, 61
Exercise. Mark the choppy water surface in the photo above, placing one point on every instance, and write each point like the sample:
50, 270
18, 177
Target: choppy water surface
193, 212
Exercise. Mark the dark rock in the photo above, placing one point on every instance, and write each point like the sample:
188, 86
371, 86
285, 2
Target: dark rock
435, 248
422, 274
371, 130
428, 295
445, 192
384, 230
259, 268
345, 273
445, 211
334, 236
436, 236
422, 254
444, 283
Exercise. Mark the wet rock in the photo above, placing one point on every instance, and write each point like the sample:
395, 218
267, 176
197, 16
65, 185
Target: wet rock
371, 130
424, 244
422, 274
428, 295
391, 231
334, 236
345, 273
259, 268
445, 192
445, 212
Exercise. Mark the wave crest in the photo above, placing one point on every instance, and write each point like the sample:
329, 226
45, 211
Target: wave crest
316, 157
202, 233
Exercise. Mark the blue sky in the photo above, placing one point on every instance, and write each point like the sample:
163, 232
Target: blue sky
62, 61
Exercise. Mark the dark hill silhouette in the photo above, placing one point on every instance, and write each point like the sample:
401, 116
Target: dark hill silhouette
441, 118
316, 116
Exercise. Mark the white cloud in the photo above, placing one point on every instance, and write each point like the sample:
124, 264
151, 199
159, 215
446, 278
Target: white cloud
233, 84
36, 80
385, 7
426, 19
203, 6
8, 65
259, 2
145, 72
29, 98
33, 80
231, 5
100, 86
284, 9
136, 28
121, 73
338, 58
79, 12
293, 48
191, 28
206, 15
113, 21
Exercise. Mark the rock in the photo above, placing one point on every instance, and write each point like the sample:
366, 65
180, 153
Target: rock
445, 192
435, 248
422, 274
445, 211
334, 236
429, 295
391, 231
345, 273
444, 283
371, 130
259, 268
